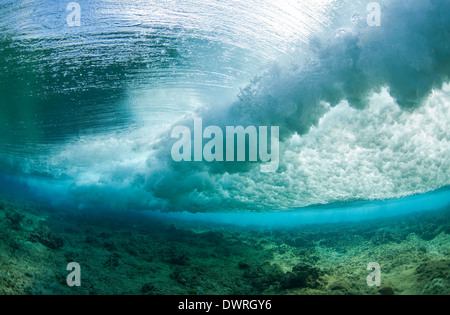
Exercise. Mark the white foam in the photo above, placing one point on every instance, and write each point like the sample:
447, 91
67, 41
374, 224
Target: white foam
379, 134
380, 152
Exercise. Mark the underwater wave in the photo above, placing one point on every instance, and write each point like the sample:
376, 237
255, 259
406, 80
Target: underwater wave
87, 112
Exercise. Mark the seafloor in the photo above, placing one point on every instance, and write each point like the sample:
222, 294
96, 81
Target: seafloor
125, 253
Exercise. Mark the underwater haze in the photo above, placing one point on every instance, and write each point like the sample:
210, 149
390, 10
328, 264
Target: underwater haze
359, 91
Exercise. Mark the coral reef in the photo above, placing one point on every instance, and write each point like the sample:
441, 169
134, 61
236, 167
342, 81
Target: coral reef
44, 236
130, 253
15, 219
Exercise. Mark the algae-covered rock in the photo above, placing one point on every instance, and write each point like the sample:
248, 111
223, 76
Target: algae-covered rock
438, 286
384, 236
434, 276
243, 265
15, 219
174, 257
150, 289
45, 237
263, 277
299, 242
302, 276
112, 261
386, 290
433, 269
428, 231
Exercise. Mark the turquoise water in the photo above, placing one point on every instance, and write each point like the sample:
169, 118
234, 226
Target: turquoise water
316, 215
86, 112
94, 93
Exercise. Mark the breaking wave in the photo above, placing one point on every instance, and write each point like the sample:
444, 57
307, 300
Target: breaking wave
363, 111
